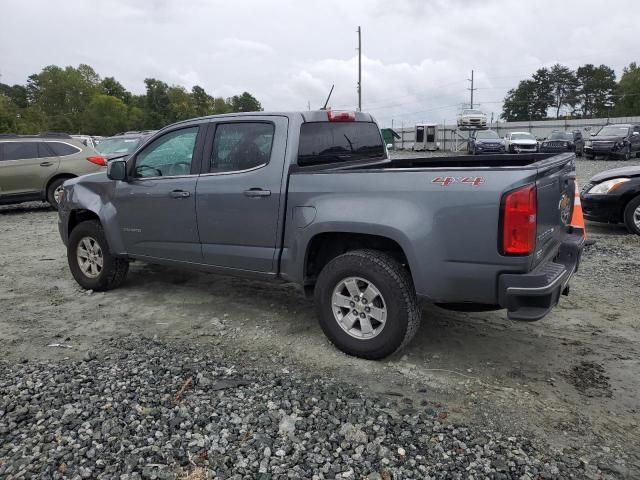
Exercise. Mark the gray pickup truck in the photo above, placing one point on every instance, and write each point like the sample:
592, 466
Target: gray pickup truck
314, 199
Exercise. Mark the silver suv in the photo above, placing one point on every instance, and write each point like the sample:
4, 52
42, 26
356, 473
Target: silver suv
34, 167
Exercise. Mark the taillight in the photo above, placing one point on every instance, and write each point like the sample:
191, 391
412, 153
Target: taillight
341, 116
519, 210
98, 160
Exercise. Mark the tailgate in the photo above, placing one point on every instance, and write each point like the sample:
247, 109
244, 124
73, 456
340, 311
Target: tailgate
556, 186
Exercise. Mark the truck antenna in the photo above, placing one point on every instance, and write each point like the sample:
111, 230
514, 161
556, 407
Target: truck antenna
328, 97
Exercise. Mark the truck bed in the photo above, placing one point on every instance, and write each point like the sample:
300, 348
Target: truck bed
468, 161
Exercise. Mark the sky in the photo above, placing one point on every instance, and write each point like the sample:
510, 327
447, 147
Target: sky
416, 54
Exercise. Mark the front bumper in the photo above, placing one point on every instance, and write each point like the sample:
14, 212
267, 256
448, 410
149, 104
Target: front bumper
531, 296
603, 150
547, 149
489, 148
602, 208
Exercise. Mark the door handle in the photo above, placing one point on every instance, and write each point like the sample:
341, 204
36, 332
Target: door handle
46, 164
179, 194
257, 192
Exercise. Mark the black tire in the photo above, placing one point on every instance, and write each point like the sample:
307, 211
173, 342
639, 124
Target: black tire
629, 213
589, 156
51, 191
396, 288
579, 152
113, 271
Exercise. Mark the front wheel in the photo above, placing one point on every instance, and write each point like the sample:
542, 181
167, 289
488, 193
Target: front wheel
90, 261
632, 215
366, 304
627, 153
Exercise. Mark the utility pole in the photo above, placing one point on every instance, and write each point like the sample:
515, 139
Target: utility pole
359, 69
308, 105
471, 89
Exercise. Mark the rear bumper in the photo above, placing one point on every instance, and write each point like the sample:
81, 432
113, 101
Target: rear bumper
532, 295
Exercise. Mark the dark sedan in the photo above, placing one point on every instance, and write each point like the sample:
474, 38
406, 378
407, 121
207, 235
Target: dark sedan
613, 196
619, 140
485, 141
560, 141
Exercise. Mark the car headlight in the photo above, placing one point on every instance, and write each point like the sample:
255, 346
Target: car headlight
607, 186
588, 143
620, 143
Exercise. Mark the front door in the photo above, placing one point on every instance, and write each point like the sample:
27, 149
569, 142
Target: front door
239, 192
156, 206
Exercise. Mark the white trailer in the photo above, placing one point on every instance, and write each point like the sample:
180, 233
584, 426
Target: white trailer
426, 137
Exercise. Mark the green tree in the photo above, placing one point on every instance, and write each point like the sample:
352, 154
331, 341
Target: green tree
530, 100
181, 103
105, 115
110, 86
157, 107
63, 94
596, 89
135, 119
244, 103
220, 105
202, 101
564, 88
628, 92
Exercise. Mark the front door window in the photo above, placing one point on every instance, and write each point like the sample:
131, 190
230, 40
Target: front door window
167, 156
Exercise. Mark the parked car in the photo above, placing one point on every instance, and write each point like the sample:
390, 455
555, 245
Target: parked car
521, 142
366, 235
86, 140
485, 141
121, 144
619, 140
34, 167
613, 196
561, 141
470, 118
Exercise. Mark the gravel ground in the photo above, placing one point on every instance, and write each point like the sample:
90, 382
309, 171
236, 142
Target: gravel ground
473, 396
142, 409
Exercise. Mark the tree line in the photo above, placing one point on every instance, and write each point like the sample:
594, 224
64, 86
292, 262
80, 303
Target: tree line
587, 92
78, 100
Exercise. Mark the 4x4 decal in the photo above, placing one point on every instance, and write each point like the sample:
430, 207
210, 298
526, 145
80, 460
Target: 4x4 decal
446, 181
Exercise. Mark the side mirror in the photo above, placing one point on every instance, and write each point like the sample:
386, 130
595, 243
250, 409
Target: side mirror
389, 146
117, 170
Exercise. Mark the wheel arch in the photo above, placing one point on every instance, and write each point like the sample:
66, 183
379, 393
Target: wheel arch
325, 246
56, 177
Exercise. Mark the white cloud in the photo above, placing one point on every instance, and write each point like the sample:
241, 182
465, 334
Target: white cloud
417, 53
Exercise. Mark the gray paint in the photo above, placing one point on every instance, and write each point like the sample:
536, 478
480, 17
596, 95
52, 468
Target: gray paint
449, 233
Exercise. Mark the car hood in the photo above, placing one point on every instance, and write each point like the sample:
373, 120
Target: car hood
489, 140
632, 171
608, 138
524, 142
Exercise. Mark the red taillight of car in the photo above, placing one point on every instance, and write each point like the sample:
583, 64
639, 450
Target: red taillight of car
519, 212
98, 160
341, 116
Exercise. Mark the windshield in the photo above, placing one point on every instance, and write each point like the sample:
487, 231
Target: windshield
113, 145
612, 131
472, 112
487, 134
522, 136
561, 136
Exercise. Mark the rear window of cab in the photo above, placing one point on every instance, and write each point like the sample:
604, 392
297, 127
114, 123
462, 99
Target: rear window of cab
337, 142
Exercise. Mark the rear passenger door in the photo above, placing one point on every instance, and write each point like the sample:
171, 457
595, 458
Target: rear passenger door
25, 167
239, 192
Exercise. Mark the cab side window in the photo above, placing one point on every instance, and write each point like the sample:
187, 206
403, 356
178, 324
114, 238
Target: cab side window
168, 155
241, 146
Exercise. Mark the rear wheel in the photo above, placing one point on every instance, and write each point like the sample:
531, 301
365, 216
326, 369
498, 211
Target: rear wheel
54, 191
366, 304
90, 261
632, 215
